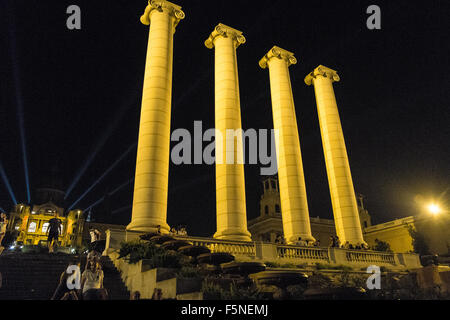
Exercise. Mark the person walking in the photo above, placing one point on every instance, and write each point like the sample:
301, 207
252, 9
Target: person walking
95, 238
53, 232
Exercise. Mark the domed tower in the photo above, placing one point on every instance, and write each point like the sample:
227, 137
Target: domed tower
270, 199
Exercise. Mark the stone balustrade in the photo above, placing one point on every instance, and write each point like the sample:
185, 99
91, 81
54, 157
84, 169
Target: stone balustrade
244, 248
307, 253
370, 257
272, 252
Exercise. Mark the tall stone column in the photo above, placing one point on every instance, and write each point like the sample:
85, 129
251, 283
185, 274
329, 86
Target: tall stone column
230, 184
152, 164
294, 204
343, 199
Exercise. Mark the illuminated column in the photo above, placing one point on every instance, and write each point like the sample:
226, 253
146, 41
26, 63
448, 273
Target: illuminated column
294, 204
230, 184
346, 217
152, 164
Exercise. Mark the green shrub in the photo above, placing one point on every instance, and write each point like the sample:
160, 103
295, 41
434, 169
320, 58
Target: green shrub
213, 291
246, 293
188, 271
165, 260
319, 280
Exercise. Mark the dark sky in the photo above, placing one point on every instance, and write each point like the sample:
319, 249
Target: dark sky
79, 87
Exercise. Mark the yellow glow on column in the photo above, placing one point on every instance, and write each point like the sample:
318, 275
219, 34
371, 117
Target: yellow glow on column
346, 216
152, 164
230, 184
294, 204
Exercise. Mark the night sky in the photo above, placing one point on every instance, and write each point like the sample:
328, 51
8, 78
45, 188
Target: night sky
80, 92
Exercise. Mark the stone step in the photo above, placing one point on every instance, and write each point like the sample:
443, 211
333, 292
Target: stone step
36, 276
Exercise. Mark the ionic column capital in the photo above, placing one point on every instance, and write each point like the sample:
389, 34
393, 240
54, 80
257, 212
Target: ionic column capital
161, 6
279, 53
222, 30
322, 71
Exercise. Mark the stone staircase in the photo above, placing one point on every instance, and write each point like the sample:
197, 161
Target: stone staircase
32, 276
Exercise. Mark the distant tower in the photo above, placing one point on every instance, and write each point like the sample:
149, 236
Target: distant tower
270, 199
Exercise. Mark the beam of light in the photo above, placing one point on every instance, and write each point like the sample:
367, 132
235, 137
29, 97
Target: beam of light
101, 141
20, 112
109, 194
24, 147
104, 174
121, 209
8, 186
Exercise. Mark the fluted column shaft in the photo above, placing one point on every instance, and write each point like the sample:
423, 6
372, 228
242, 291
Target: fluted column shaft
230, 183
152, 164
294, 204
343, 199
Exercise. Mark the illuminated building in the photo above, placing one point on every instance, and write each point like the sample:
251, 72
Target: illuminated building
30, 223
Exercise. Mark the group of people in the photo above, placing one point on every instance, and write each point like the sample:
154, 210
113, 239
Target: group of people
307, 243
180, 231
91, 282
336, 243
300, 242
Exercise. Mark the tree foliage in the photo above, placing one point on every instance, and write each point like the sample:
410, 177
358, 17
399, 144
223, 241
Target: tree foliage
418, 241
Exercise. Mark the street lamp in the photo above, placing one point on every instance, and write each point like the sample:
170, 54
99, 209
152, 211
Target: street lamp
434, 209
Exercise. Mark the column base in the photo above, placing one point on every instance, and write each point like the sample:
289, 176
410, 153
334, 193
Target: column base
233, 234
145, 225
305, 237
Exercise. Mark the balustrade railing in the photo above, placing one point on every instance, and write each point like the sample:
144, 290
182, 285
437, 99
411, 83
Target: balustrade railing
373, 257
308, 253
233, 247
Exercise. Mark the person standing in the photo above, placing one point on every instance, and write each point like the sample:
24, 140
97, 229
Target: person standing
92, 282
95, 238
3, 224
53, 232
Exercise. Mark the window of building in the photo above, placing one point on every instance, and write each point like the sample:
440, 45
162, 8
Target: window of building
45, 227
365, 224
266, 209
32, 227
277, 208
273, 184
267, 185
